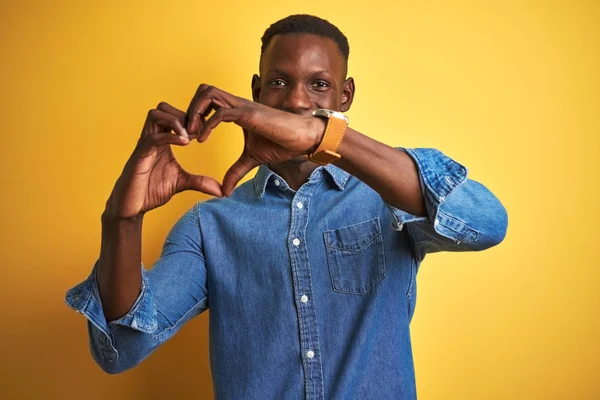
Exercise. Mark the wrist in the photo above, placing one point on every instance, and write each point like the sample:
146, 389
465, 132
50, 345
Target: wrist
109, 218
318, 126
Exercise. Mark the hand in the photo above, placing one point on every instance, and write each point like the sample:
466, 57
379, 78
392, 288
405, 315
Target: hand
270, 135
152, 175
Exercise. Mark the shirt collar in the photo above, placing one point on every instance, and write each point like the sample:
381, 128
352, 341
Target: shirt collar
339, 176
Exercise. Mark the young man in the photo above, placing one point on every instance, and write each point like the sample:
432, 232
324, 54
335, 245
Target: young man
309, 268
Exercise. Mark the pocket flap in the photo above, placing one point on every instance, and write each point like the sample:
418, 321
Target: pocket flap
353, 237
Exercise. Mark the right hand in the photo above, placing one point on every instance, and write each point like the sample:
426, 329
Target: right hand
152, 175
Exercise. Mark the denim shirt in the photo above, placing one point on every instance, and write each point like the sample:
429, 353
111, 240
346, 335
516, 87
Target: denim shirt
311, 292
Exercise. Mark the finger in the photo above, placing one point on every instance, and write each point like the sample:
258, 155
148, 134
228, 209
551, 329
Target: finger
180, 114
237, 171
203, 109
158, 139
166, 107
193, 119
202, 118
221, 115
206, 99
200, 183
168, 122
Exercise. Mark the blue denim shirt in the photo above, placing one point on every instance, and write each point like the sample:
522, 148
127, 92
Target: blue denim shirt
311, 292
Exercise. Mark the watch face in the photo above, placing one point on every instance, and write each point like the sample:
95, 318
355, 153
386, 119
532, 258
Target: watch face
326, 113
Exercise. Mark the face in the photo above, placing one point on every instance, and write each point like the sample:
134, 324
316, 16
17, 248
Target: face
300, 73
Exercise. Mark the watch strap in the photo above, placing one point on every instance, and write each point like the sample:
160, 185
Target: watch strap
334, 133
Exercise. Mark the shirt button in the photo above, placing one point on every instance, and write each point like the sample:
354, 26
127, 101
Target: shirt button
296, 242
436, 222
299, 204
310, 354
304, 298
276, 182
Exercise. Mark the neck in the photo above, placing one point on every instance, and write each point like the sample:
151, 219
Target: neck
295, 171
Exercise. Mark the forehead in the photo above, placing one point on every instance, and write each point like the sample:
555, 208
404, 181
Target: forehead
302, 52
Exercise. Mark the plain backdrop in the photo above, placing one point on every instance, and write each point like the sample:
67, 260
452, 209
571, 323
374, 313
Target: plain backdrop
508, 88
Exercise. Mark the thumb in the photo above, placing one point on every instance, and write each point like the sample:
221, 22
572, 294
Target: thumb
200, 183
237, 171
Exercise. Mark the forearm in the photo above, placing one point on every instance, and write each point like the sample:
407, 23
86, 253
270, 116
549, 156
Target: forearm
391, 173
119, 274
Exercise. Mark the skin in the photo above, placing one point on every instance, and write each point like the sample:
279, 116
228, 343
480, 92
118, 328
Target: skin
298, 74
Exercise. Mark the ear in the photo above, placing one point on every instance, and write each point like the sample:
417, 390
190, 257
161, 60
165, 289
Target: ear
347, 95
256, 88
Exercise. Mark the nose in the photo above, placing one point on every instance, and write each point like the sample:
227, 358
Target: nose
297, 100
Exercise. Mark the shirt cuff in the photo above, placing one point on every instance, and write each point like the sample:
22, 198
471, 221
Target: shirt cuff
439, 175
85, 299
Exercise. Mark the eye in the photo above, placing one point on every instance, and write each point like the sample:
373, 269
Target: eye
277, 82
320, 85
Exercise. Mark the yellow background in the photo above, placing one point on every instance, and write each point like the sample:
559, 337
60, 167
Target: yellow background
508, 88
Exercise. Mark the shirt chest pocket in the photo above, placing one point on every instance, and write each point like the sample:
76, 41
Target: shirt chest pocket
355, 257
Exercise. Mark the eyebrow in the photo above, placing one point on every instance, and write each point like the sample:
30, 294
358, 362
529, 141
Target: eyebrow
277, 71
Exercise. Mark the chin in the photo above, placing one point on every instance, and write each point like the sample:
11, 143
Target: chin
292, 161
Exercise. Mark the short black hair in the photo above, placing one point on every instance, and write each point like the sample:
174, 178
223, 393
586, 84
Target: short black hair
307, 24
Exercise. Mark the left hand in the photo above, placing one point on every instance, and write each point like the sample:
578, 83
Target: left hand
270, 135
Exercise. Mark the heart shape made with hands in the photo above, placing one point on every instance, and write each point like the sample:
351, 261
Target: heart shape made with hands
152, 176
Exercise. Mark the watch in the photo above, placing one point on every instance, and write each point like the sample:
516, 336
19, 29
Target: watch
326, 152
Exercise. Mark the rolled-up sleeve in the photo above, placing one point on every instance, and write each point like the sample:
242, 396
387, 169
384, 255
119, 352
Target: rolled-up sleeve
172, 292
462, 214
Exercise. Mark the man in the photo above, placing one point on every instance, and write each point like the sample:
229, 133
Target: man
309, 268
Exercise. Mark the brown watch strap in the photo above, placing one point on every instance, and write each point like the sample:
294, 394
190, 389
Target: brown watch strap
327, 150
